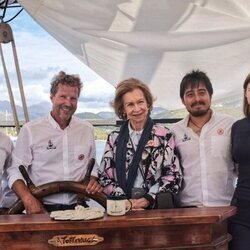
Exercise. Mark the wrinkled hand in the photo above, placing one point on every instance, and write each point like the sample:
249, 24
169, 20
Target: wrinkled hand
139, 204
33, 206
93, 186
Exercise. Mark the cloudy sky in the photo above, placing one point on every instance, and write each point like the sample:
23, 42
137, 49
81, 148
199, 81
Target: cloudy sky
40, 58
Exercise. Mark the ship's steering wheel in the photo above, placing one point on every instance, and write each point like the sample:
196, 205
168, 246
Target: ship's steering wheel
57, 187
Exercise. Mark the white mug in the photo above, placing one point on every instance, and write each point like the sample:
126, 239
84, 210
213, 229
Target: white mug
118, 205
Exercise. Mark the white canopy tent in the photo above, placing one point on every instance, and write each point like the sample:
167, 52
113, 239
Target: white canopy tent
157, 41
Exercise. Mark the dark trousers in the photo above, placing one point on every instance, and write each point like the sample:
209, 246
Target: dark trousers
241, 236
239, 226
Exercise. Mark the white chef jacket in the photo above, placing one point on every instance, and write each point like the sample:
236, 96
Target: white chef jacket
52, 154
208, 169
7, 196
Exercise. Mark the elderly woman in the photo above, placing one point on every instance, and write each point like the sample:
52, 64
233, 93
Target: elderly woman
139, 159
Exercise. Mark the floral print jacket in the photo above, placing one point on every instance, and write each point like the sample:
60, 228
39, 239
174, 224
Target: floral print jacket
159, 156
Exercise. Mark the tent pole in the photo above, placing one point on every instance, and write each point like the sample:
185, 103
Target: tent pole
12, 101
6, 36
20, 83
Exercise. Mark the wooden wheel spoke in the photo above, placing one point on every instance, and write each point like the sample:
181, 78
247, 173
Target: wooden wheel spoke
57, 187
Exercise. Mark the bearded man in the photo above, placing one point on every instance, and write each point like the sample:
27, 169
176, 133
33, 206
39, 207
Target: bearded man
203, 141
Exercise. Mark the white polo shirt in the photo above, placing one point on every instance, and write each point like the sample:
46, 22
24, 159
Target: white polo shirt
7, 196
52, 154
208, 174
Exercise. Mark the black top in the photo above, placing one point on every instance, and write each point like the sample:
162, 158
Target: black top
241, 155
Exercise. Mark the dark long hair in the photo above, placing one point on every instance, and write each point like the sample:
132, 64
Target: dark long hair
246, 106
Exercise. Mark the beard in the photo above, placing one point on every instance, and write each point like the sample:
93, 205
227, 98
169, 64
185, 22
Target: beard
64, 113
199, 112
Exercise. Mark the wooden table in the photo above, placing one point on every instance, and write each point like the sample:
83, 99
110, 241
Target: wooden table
189, 228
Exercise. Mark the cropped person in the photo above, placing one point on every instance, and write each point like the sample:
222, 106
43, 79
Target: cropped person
139, 159
55, 148
7, 197
239, 225
203, 141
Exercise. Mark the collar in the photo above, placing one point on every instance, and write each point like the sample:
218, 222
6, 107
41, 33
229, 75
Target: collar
133, 132
186, 119
54, 124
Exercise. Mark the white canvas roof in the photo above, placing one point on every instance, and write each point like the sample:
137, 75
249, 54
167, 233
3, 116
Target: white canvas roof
157, 41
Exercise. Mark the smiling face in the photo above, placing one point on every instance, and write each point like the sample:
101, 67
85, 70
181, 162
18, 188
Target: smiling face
136, 108
197, 100
64, 104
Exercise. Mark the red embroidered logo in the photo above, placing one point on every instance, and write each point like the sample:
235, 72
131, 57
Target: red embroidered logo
81, 157
220, 131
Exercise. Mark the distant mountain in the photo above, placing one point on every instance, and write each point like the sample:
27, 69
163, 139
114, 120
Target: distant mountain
88, 115
43, 108
107, 115
39, 110
5, 107
160, 113
34, 111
